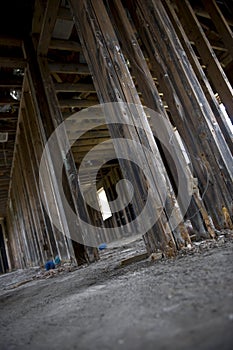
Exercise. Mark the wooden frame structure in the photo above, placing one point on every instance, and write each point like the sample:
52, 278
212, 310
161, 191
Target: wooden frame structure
175, 58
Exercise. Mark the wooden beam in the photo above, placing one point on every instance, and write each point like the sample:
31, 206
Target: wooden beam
102, 148
76, 87
65, 45
91, 142
13, 236
50, 118
35, 144
29, 145
200, 75
23, 179
19, 215
10, 41
49, 20
89, 136
11, 83
13, 62
215, 72
192, 114
69, 103
38, 17
202, 13
220, 23
19, 258
69, 68
8, 101
9, 116
107, 64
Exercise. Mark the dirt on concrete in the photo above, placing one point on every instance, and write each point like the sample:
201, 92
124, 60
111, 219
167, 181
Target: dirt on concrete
181, 303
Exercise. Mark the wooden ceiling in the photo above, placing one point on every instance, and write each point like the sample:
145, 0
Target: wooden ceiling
70, 73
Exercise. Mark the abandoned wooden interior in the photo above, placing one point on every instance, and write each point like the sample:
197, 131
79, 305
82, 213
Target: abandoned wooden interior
59, 57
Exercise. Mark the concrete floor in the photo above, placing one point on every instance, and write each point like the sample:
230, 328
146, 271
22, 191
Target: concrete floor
183, 303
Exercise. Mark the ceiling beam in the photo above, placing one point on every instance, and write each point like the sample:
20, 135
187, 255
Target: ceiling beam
10, 41
202, 13
65, 45
13, 62
69, 68
69, 103
49, 20
9, 116
11, 83
77, 87
8, 101
220, 24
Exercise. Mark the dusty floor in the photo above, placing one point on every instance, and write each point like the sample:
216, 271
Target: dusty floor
183, 303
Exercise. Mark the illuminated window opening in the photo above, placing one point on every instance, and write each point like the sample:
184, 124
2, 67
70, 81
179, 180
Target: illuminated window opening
103, 203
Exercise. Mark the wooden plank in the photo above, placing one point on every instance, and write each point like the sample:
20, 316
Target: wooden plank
11, 239
49, 20
8, 116
191, 106
199, 11
90, 142
16, 195
152, 100
57, 241
7, 126
10, 41
105, 60
76, 87
11, 83
8, 101
69, 68
38, 16
6, 242
65, 45
220, 23
35, 143
134, 259
23, 178
213, 67
13, 62
50, 117
19, 255
201, 76
68, 103
29, 147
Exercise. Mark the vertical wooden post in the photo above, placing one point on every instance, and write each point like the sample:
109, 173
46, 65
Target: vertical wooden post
26, 231
172, 156
32, 187
200, 75
50, 235
105, 60
56, 239
22, 244
13, 237
50, 114
30, 229
195, 121
213, 67
6, 243
28, 175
